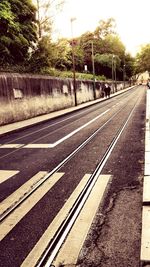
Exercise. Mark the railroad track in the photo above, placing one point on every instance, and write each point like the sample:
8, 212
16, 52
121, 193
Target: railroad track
56, 242
27, 194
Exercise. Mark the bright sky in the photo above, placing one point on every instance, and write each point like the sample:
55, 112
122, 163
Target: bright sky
132, 18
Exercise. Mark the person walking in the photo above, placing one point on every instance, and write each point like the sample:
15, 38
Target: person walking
107, 90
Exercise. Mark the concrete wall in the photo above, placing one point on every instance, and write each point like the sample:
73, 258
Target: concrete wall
26, 96
18, 86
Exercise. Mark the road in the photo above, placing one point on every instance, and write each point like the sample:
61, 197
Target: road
53, 158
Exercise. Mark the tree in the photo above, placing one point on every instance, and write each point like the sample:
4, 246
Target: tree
46, 10
44, 55
106, 43
63, 58
142, 62
18, 30
129, 66
105, 28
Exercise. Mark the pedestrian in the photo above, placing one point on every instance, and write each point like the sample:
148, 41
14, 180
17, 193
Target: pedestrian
107, 90
102, 90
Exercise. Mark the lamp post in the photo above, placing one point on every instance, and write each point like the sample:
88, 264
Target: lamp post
115, 75
73, 62
93, 66
112, 69
114, 78
124, 75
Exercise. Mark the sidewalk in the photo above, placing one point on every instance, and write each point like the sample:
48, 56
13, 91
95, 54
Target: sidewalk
33, 121
145, 239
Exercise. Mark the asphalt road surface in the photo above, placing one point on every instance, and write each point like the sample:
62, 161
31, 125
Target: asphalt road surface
61, 152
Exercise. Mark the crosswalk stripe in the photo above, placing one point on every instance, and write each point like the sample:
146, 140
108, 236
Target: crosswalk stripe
9, 223
26, 146
23, 190
70, 250
39, 248
38, 146
6, 174
11, 145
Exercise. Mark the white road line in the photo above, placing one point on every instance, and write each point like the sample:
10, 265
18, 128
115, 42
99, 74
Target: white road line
78, 129
38, 146
57, 142
11, 145
70, 250
39, 248
9, 223
21, 191
4, 175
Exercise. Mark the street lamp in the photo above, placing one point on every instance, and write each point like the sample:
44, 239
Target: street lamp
73, 62
124, 73
93, 65
113, 72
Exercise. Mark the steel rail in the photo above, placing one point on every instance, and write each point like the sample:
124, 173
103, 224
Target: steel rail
55, 244
46, 177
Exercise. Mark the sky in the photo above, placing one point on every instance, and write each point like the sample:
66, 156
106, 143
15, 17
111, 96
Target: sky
132, 19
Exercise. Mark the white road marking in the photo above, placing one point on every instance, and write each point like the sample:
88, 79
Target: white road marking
11, 145
78, 129
9, 223
5, 175
70, 250
57, 142
39, 248
21, 191
38, 146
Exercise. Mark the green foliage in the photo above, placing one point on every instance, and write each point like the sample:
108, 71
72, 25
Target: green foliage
43, 56
106, 43
18, 30
106, 60
69, 74
40, 55
105, 28
63, 58
129, 63
142, 63
49, 56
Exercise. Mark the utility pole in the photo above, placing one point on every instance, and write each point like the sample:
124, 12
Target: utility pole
73, 62
93, 66
115, 75
112, 69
